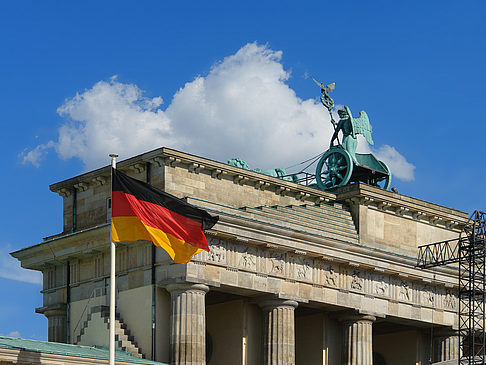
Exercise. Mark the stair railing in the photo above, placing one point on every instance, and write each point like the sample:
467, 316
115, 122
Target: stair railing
95, 299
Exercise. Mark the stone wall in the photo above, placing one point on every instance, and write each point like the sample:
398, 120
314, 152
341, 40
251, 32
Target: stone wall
224, 189
225, 324
400, 233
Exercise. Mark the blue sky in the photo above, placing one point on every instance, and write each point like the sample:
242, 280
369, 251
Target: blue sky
228, 79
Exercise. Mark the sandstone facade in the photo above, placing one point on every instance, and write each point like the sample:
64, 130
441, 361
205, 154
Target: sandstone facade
294, 276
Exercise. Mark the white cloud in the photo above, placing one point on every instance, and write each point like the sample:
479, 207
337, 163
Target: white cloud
400, 167
242, 108
398, 164
111, 117
15, 334
36, 155
10, 269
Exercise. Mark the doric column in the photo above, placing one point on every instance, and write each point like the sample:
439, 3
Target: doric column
279, 331
56, 322
358, 344
446, 345
187, 324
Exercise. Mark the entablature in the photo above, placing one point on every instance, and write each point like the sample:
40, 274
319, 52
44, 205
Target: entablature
402, 206
330, 249
52, 251
194, 164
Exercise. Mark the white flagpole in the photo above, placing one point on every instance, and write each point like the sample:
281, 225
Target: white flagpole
112, 280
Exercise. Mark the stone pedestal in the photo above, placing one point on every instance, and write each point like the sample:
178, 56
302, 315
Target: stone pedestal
358, 343
446, 345
279, 331
187, 324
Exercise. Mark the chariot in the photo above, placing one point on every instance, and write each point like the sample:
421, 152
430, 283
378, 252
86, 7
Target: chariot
337, 168
341, 165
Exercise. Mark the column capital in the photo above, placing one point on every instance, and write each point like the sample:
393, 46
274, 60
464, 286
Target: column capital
58, 309
356, 317
444, 332
268, 304
185, 287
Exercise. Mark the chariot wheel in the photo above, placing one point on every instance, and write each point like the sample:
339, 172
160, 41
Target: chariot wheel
383, 182
334, 168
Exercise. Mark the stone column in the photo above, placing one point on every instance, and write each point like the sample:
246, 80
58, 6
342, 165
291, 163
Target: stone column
56, 322
279, 331
446, 345
358, 343
187, 324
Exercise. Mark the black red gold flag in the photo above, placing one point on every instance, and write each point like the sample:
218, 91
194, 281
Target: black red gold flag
142, 212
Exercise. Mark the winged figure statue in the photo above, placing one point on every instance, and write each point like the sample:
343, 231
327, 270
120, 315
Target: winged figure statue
361, 125
350, 128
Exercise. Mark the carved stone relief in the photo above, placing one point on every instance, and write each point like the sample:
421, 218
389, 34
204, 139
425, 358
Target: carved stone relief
217, 252
356, 280
381, 286
450, 300
247, 258
276, 265
331, 276
302, 268
404, 291
427, 296
238, 255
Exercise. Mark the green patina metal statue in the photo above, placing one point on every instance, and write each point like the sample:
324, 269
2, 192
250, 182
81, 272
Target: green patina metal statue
351, 127
278, 172
341, 165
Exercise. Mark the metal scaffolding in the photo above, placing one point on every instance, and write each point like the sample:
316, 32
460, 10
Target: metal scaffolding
469, 251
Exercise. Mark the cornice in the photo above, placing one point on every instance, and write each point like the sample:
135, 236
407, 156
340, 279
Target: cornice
355, 194
60, 248
176, 159
403, 206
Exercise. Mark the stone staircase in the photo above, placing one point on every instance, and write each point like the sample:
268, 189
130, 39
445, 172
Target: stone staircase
123, 339
333, 219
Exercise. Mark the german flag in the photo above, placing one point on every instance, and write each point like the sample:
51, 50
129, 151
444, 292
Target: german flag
142, 212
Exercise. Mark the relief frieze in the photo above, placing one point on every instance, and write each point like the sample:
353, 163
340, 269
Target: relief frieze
276, 265
293, 266
331, 275
247, 258
302, 268
356, 280
217, 252
450, 300
381, 286
427, 296
404, 291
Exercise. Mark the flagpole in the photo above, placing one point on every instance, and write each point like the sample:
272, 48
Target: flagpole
112, 279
